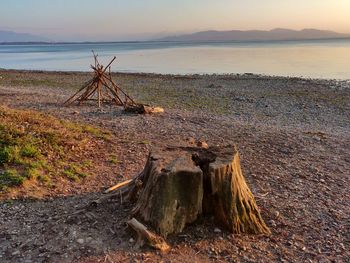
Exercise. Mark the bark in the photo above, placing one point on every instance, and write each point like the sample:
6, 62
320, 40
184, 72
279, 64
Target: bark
171, 194
180, 184
227, 195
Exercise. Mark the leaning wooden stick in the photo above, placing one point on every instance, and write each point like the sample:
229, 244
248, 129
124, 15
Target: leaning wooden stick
146, 237
117, 186
85, 85
103, 89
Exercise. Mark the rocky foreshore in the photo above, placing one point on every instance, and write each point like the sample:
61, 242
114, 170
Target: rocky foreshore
293, 135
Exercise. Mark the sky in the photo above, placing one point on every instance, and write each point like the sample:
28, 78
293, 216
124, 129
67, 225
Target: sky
115, 20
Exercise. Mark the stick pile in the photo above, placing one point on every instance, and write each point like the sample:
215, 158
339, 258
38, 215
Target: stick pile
103, 89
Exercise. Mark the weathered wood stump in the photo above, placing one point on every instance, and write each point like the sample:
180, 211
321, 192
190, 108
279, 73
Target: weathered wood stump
178, 185
143, 109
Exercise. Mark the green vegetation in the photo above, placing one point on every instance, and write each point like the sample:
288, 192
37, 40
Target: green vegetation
35, 146
113, 159
185, 97
10, 177
74, 172
38, 79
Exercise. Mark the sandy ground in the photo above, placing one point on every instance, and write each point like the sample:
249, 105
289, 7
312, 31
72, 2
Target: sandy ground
293, 136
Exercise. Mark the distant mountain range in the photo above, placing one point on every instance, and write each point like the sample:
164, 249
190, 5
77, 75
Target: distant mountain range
11, 36
233, 35
257, 35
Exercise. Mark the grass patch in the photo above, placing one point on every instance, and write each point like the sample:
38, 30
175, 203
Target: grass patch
113, 159
29, 151
184, 95
145, 142
74, 172
41, 79
36, 146
9, 178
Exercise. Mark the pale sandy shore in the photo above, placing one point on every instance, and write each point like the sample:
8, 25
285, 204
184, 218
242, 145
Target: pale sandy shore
293, 135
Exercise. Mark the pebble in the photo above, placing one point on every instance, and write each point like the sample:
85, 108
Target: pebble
272, 223
16, 253
287, 212
131, 240
80, 241
202, 144
217, 230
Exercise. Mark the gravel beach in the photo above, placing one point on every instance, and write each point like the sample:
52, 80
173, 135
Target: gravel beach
293, 136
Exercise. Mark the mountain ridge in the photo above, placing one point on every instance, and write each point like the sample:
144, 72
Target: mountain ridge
7, 36
257, 35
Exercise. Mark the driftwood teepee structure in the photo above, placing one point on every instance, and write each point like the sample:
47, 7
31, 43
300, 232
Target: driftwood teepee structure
103, 89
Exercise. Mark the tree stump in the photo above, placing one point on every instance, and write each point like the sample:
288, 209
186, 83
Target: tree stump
180, 184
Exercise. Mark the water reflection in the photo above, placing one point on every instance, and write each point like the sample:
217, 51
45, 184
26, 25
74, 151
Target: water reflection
316, 59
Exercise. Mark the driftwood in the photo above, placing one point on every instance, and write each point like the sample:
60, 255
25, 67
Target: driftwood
180, 184
103, 89
146, 237
143, 109
117, 186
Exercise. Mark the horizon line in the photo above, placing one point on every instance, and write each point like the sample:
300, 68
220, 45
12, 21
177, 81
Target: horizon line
347, 35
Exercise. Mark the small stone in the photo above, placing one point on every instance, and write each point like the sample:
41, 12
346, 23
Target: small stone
217, 230
131, 240
80, 241
277, 214
16, 253
191, 140
272, 223
202, 144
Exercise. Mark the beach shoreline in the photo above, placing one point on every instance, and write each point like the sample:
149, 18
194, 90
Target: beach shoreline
292, 134
169, 75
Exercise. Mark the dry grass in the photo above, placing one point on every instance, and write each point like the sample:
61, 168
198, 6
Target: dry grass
38, 147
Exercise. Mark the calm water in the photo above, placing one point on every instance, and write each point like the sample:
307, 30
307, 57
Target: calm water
315, 59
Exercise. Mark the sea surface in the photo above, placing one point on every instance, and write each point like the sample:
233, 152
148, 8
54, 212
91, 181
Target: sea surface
328, 59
